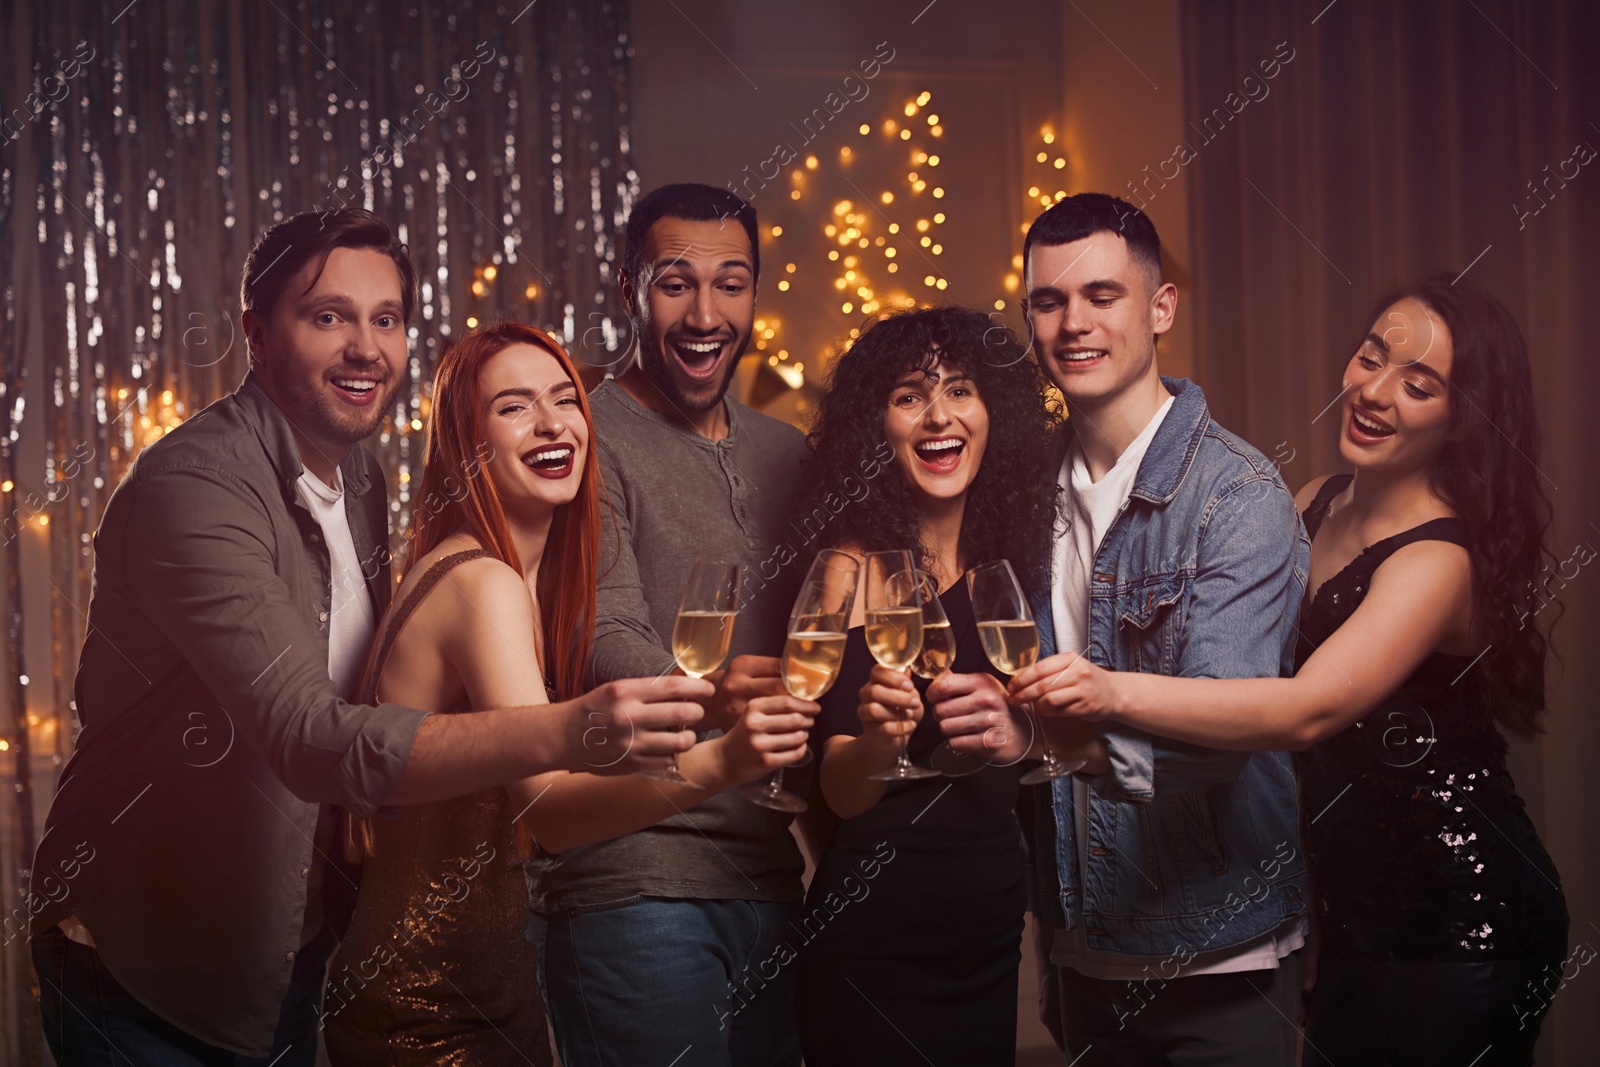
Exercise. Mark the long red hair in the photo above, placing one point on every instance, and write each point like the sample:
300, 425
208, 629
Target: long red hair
455, 495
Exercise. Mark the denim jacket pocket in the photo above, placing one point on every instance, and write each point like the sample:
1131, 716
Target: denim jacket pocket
1147, 616
1196, 822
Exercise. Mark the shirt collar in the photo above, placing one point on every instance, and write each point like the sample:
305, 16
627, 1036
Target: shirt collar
276, 437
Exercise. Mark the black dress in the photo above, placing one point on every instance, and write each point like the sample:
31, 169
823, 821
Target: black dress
1437, 901
913, 923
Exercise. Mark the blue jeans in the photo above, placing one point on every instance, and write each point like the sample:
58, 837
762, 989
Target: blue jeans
691, 983
91, 1021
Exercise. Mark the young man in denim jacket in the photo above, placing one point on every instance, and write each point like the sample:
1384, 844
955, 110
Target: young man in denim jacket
1172, 887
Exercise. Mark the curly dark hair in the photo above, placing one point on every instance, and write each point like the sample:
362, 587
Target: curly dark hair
1011, 504
1488, 472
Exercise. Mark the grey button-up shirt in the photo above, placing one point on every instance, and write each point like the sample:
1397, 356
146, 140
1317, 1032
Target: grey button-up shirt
181, 833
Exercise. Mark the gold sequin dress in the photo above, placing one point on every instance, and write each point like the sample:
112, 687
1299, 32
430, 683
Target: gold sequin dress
435, 969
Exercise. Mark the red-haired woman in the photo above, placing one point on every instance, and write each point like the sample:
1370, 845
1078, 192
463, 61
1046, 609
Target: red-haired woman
496, 610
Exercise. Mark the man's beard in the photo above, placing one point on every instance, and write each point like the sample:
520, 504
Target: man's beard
655, 363
314, 412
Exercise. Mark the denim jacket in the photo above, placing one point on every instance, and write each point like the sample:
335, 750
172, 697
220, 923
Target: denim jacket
1200, 575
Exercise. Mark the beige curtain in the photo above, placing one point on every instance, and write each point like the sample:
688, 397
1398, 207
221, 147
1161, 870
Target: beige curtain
1401, 138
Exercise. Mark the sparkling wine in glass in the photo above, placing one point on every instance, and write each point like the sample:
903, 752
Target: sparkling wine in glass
937, 658
1011, 641
812, 653
703, 630
895, 634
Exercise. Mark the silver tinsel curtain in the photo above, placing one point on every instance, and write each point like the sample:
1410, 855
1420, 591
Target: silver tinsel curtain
144, 146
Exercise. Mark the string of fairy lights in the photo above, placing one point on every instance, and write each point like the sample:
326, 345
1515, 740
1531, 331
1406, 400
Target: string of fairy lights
880, 249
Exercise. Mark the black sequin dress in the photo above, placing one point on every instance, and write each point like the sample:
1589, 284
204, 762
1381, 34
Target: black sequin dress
1421, 850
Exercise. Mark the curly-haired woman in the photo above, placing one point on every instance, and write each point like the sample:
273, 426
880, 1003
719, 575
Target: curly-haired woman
913, 922
1440, 908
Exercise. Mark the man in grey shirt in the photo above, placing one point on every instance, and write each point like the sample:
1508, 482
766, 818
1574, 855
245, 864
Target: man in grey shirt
177, 900
643, 936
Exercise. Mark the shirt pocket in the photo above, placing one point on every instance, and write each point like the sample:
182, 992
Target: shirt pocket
1148, 616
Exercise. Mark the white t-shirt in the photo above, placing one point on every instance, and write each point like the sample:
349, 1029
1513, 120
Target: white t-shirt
350, 619
1091, 507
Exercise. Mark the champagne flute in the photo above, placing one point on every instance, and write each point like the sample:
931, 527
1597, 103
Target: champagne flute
1011, 641
841, 572
894, 635
937, 658
812, 654
703, 630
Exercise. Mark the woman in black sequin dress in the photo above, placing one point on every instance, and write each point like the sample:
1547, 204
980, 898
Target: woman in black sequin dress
1421, 645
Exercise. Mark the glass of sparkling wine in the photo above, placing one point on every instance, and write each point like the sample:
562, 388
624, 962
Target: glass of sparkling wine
812, 654
937, 658
894, 635
703, 630
1011, 641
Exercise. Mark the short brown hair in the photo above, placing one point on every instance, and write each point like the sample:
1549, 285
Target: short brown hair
288, 246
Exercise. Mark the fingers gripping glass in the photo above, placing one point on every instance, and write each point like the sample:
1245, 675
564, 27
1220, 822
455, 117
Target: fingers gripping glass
812, 653
1011, 641
703, 631
895, 635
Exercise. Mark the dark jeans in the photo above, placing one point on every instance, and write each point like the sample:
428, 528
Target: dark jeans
647, 980
91, 1021
1207, 1020
1401, 1013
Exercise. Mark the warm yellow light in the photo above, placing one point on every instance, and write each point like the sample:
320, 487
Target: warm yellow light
166, 396
1048, 134
841, 207
939, 218
920, 157
926, 241
894, 227
777, 231
1045, 200
847, 307
1016, 261
789, 268
893, 267
794, 194
783, 286
783, 353
911, 177
865, 129
911, 109
833, 253
943, 284
999, 305
531, 291
796, 174
811, 163
888, 253
851, 261
890, 125
933, 161
44, 520
1011, 283
1041, 157
938, 250
878, 241
929, 280
905, 135
938, 192
831, 230
772, 361
1059, 163
924, 98
844, 153
478, 288
1033, 191
863, 292
472, 322
933, 120
122, 394
490, 272
887, 197
919, 185
7, 485
769, 333
849, 275
5, 746
1061, 194
839, 283
922, 225
937, 131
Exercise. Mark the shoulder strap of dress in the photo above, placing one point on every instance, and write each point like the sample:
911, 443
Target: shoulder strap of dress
1445, 529
1318, 510
397, 621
